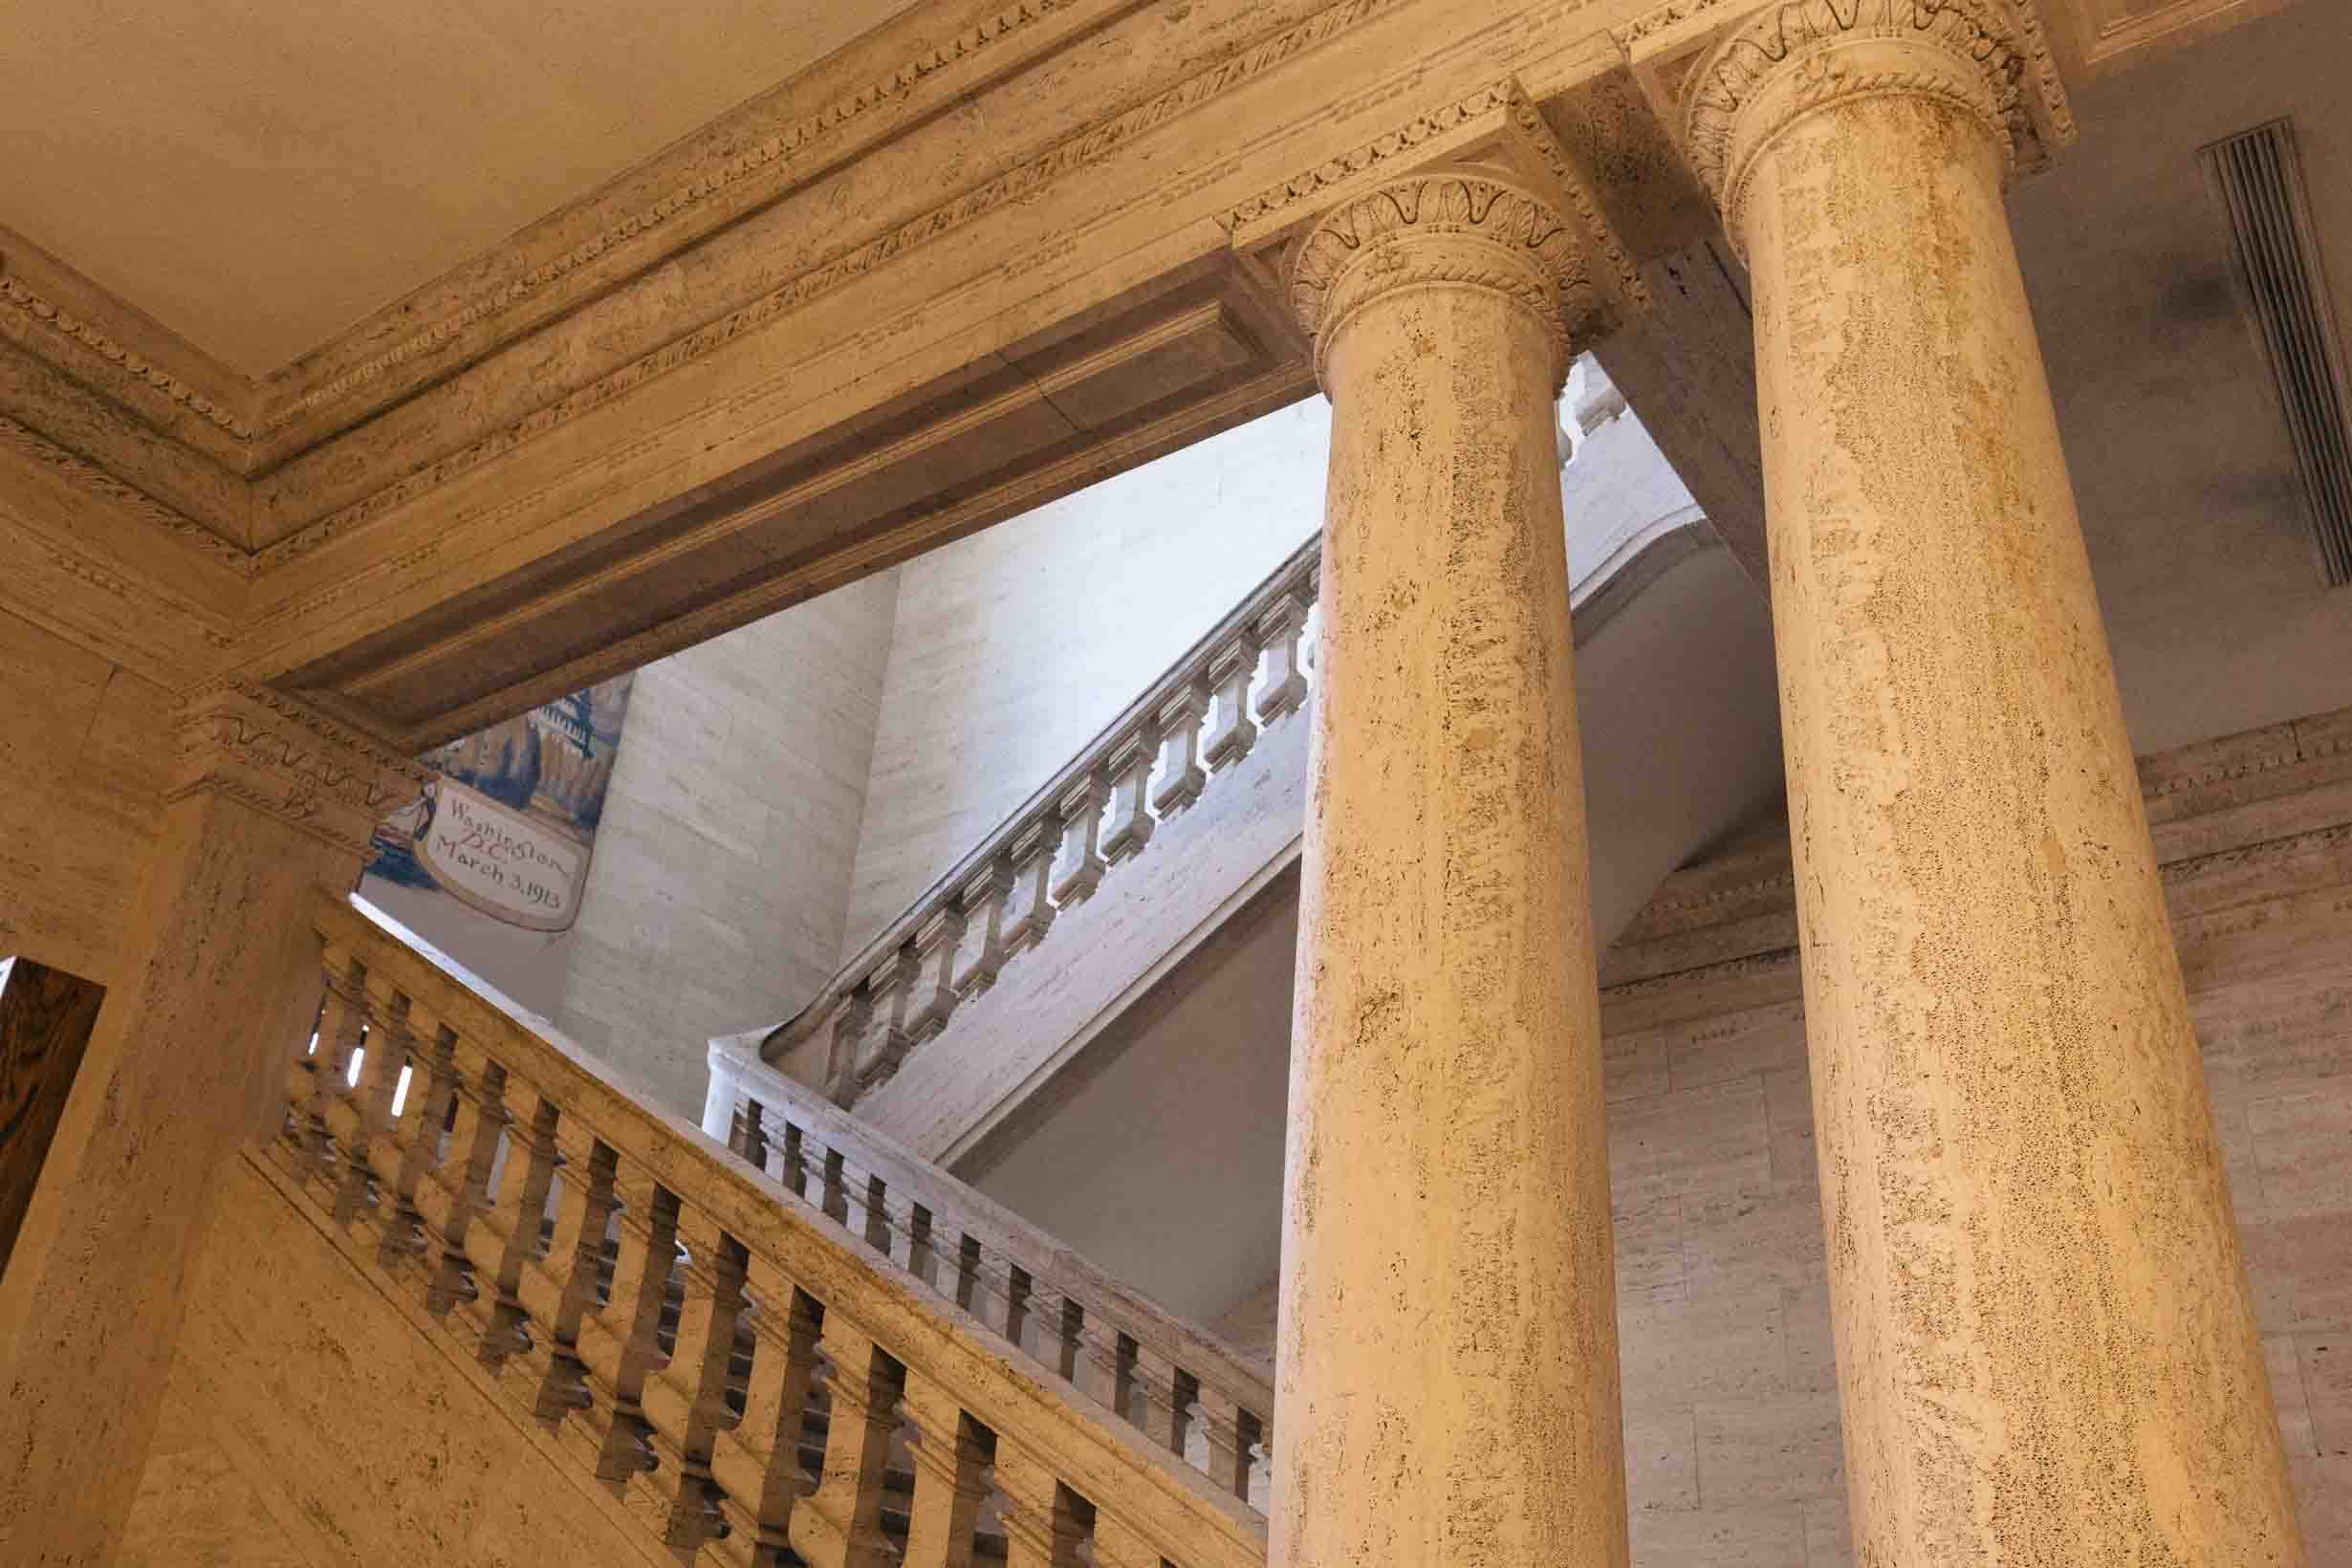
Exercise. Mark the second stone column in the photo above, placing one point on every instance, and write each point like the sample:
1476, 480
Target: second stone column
1448, 1363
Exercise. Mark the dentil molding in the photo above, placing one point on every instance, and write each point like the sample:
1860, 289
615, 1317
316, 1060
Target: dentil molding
283, 759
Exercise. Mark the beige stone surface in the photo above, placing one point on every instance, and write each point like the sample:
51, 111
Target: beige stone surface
1445, 1259
269, 803
307, 1422
82, 759
2046, 1342
720, 888
2271, 999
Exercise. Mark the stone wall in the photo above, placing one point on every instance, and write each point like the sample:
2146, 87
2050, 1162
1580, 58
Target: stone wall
1014, 647
84, 747
1733, 1443
720, 886
309, 1424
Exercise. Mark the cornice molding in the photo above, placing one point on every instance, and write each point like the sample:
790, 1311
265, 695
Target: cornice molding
282, 757
50, 317
775, 151
1460, 227
1732, 75
29, 443
1020, 182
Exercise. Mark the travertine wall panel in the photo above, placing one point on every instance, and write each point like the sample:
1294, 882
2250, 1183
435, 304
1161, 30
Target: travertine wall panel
83, 748
310, 1423
721, 880
1014, 647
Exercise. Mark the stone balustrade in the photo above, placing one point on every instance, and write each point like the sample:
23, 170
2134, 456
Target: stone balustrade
1188, 731
1187, 1391
746, 1381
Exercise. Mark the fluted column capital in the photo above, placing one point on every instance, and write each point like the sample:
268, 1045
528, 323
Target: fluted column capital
1730, 77
283, 757
1466, 227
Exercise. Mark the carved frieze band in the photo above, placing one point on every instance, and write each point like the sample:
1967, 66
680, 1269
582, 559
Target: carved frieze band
1457, 228
282, 757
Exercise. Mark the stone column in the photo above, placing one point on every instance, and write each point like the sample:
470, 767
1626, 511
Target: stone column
220, 978
2046, 1347
1447, 1366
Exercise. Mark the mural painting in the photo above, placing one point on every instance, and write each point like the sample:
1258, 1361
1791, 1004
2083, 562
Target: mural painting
508, 827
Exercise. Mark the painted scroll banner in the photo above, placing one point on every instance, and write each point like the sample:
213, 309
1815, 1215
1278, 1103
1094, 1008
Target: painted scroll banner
508, 826
501, 862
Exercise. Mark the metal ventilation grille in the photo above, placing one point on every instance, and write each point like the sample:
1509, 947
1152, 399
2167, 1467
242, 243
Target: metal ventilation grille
2260, 183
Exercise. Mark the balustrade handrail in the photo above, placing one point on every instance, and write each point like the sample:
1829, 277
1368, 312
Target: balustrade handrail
1052, 851
664, 1313
787, 1129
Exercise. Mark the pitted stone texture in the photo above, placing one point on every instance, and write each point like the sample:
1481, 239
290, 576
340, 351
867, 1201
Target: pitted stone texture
2046, 1344
220, 971
1447, 1375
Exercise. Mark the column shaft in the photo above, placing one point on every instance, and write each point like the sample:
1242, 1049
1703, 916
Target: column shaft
1448, 1369
2046, 1346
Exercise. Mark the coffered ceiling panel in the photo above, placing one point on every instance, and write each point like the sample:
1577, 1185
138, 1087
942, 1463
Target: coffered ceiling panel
258, 174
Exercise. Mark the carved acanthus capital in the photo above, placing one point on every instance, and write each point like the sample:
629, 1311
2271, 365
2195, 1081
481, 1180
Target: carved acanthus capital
1733, 76
283, 757
1461, 227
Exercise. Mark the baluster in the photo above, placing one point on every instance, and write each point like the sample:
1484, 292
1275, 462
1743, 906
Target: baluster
342, 1024
968, 1275
951, 1454
520, 1209
583, 1217
1157, 1395
981, 952
389, 1044
1231, 669
1130, 762
1034, 848
775, 1407
795, 1174
1181, 777
934, 995
481, 1122
836, 1203
886, 1040
864, 1391
746, 1135
879, 1231
851, 1019
641, 1280
1078, 870
1280, 627
715, 1269
921, 1261
1231, 1433
431, 1093
1044, 1520
1018, 1288
1062, 1344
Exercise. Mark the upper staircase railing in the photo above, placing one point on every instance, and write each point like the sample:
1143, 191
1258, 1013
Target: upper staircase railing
705, 1342
1186, 732
1189, 1392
